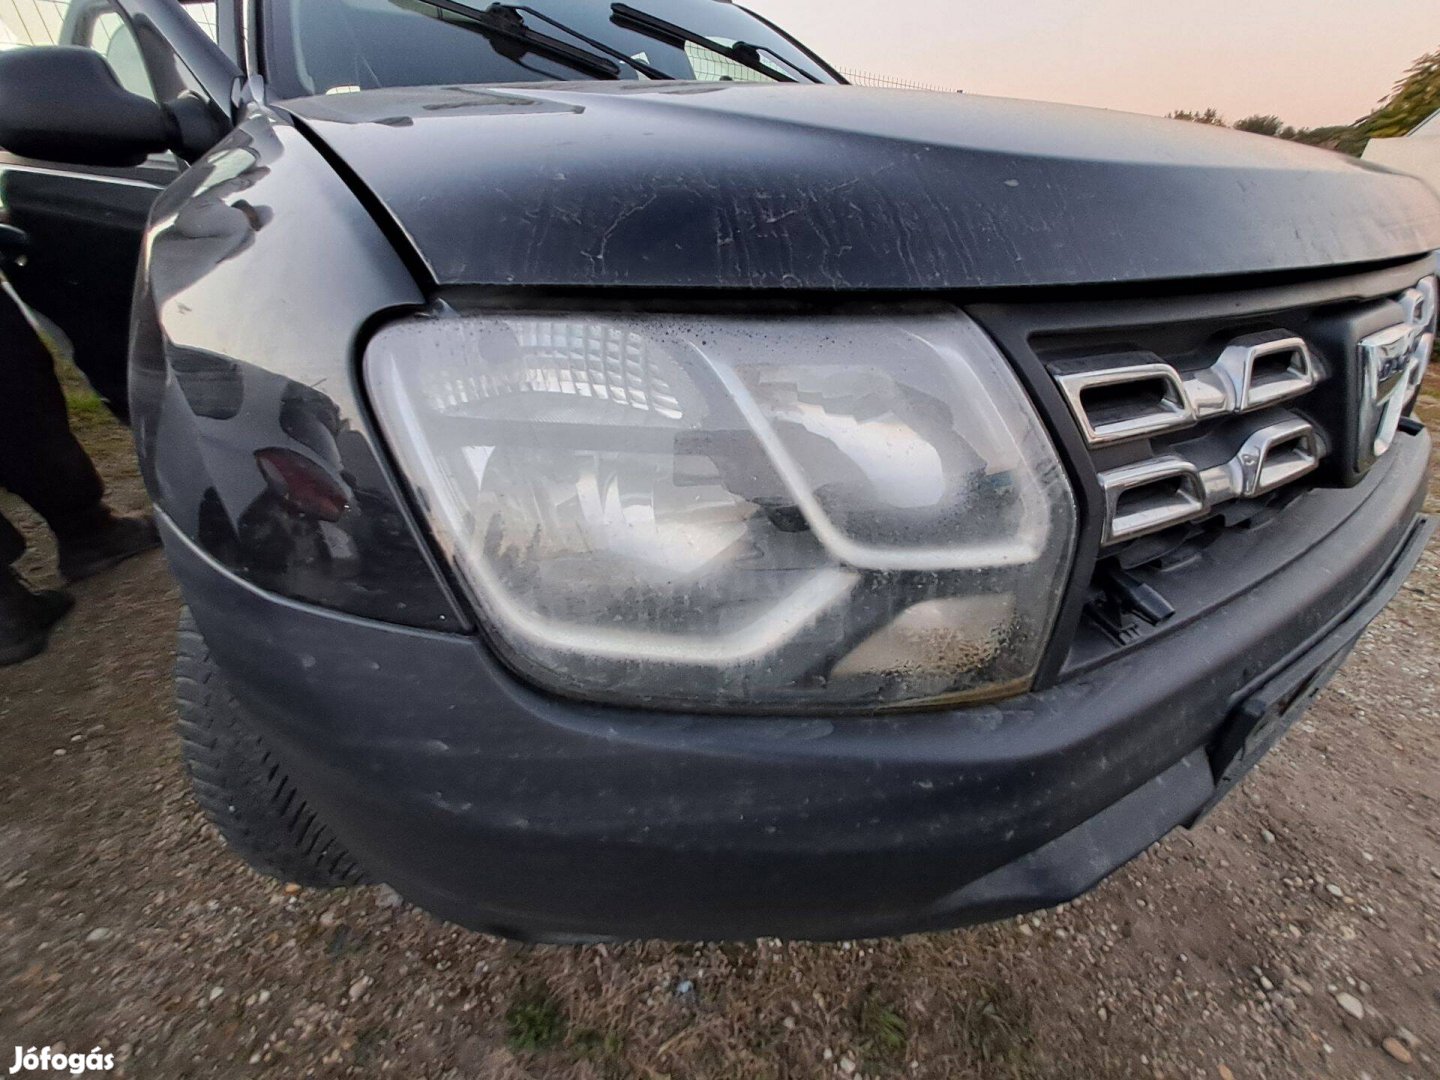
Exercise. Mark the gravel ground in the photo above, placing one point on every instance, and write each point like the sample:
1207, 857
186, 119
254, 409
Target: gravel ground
1296, 933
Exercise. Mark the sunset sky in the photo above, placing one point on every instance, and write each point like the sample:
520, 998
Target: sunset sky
1312, 62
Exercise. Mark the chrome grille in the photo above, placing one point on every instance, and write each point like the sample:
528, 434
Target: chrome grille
1203, 429
1196, 415
1249, 374
1151, 495
1131, 398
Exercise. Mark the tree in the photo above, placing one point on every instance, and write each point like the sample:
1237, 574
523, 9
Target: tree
1264, 125
1328, 137
1415, 99
1209, 116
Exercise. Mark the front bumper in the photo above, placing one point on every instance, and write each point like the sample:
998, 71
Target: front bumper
506, 810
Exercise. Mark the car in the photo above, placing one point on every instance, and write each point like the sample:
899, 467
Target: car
84, 221
625, 482
1417, 153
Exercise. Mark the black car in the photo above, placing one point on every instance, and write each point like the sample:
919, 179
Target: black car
627, 482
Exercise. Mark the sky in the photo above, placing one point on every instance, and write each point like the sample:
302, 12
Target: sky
1310, 62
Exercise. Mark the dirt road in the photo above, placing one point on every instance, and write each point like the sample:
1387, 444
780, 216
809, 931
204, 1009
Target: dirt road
1234, 950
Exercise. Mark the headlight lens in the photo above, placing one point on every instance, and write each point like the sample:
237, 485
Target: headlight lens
735, 513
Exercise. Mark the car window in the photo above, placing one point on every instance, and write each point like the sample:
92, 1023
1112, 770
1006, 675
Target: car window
707, 65
31, 22
347, 45
204, 14
112, 38
92, 23
96, 24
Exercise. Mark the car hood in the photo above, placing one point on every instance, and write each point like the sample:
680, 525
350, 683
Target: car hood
731, 185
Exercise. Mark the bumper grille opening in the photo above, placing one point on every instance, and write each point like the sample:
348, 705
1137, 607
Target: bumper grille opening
1126, 400
1109, 405
1276, 368
1151, 496
1287, 460
1174, 493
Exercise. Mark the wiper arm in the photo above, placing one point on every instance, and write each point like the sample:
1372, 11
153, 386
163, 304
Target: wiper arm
502, 22
743, 53
788, 63
648, 70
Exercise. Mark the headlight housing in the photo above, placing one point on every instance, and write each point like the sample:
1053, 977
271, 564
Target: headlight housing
735, 513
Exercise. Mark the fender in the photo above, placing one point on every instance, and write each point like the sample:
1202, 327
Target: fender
260, 273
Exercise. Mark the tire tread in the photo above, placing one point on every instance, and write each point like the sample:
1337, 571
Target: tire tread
241, 786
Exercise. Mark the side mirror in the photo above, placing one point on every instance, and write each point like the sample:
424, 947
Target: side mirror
64, 103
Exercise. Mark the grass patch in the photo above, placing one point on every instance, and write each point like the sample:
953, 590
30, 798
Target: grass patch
88, 412
995, 1024
84, 402
601, 1048
883, 1032
535, 1021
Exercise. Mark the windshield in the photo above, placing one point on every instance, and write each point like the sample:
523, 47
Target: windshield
340, 46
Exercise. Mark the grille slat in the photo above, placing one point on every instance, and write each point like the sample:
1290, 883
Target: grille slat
1133, 400
1122, 403
1267, 372
1151, 495
1128, 400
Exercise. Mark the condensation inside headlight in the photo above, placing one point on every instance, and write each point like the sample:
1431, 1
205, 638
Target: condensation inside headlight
746, 514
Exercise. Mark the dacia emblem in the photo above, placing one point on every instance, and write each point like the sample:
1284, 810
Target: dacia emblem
1392, 364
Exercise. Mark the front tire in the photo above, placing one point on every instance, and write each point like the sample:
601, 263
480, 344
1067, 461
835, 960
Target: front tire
243, 789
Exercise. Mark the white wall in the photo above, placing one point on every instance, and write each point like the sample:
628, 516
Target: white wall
1418, 155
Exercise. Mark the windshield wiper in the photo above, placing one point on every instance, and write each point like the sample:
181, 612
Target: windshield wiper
499, 20
742, 52
648, 70
788, 63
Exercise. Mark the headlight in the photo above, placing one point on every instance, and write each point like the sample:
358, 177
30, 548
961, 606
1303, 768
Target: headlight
735, 513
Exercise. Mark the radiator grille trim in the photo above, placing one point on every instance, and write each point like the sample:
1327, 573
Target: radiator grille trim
1241, 380
1125, 400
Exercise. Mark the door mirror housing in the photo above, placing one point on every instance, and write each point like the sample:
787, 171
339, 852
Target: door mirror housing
64, 103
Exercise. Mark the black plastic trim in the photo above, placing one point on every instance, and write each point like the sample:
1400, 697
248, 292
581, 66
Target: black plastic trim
1271, 709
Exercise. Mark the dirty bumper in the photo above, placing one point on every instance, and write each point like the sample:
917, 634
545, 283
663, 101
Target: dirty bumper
511, 811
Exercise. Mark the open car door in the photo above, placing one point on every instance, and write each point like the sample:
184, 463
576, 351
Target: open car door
84, 224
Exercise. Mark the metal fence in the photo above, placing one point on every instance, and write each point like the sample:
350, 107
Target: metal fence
866, 78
